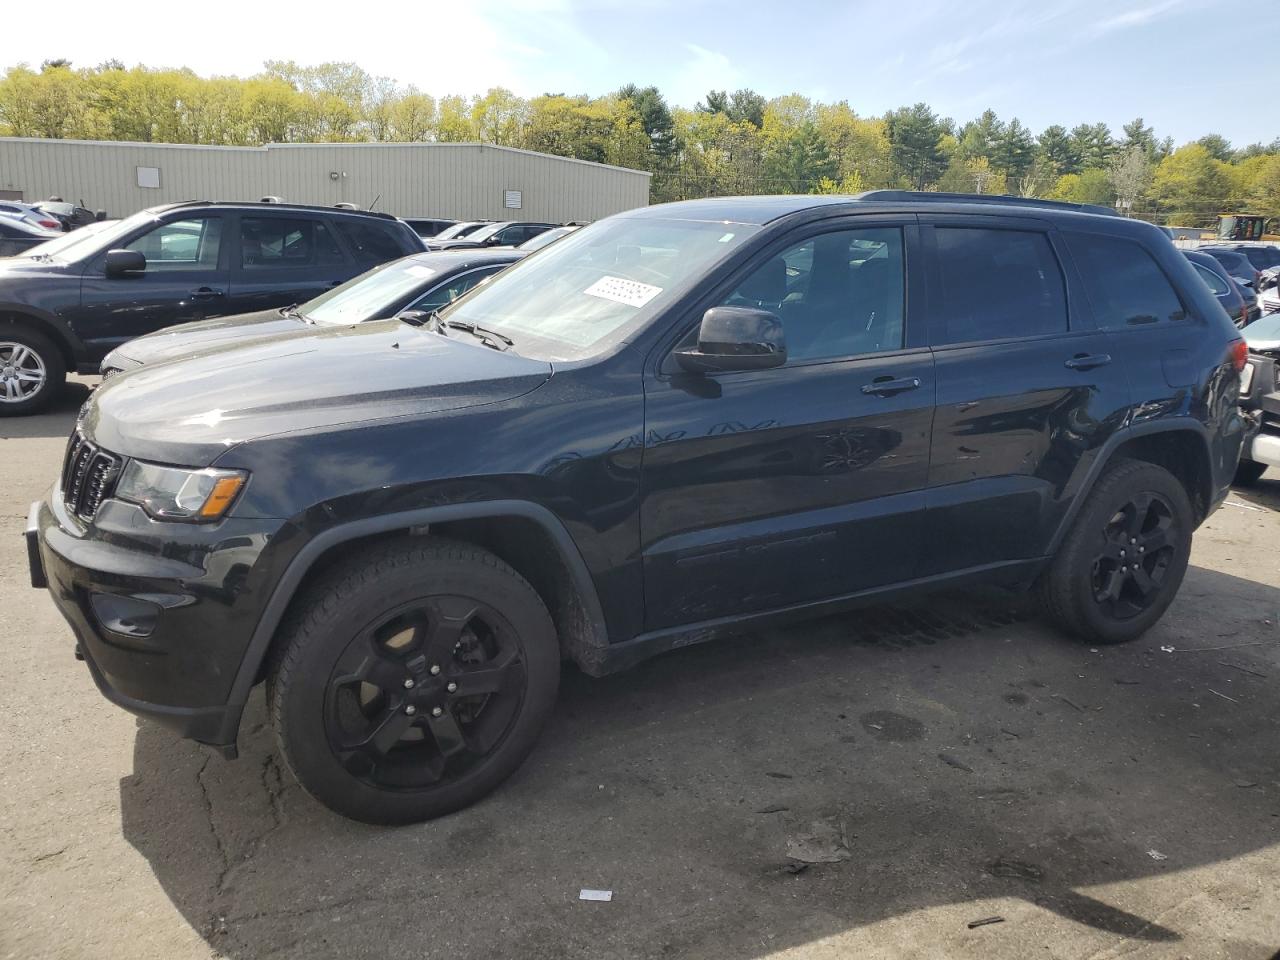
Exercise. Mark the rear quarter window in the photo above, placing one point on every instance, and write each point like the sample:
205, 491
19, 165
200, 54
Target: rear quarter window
371, 241
1125, 285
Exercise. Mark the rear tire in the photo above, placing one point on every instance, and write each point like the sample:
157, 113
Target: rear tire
412, 680
1248, 473
1123, 559
32, 371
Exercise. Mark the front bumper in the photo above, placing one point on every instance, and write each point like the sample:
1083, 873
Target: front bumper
1260, 404
162, 612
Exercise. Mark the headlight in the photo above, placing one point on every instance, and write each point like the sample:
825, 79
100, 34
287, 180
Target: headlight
1246, 378
169, 493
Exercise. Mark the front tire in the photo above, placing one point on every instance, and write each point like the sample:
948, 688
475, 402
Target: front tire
1124, 557
32, 371
412, 680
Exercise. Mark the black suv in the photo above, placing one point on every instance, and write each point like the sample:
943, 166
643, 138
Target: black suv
671, 425
65, 305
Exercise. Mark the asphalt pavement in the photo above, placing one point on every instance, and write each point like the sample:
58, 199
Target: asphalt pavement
870, 785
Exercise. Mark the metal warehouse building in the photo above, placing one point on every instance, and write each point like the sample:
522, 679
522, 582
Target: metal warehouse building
459, 180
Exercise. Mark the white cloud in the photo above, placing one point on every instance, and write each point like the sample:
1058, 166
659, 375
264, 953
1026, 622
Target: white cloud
703, 70
1134, 18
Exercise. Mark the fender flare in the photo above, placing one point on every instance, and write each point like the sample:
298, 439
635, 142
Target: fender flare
1107, 454
58, 329
287, 586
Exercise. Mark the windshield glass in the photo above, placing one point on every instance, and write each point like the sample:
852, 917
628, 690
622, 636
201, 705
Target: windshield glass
591, 289
457, 230
370, 296
90, 238
545, 238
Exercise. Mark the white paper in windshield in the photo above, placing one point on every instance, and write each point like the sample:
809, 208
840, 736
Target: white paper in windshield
620, 290
424, 273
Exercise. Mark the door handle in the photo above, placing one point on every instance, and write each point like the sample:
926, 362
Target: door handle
1087, 361
888, 386
206, 293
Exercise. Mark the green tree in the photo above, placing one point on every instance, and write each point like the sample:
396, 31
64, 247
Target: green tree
741, 106
1091, 185
1014, 150
913, 134
1138, 134
1092, 143
1058, 151
655, 117
500, 117
1190, 185
798, 160
978, 138
1219, 147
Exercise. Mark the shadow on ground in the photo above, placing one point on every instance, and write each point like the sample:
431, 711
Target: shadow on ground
56, 421
957, 751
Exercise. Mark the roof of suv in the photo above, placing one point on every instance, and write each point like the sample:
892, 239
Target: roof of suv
763, 209
257, 205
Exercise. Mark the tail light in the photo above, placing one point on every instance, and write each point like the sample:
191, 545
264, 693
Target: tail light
1239, 354
50, 224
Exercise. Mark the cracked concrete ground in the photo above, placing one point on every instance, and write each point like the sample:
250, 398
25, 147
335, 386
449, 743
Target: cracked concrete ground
954, 760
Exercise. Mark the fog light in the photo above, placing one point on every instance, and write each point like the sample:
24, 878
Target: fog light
126, 616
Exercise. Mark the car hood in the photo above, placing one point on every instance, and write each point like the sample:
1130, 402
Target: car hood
190, 411
188, 339
20, 267
1264, 333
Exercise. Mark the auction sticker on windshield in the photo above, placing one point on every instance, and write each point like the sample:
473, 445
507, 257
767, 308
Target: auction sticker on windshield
620, 290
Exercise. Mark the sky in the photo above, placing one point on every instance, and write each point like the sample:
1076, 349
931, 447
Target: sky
1043, 61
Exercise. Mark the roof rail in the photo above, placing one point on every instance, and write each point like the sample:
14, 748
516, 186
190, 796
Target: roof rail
273, 205
921, 196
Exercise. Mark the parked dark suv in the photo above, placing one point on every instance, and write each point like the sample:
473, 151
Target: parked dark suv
674, 424
171, 264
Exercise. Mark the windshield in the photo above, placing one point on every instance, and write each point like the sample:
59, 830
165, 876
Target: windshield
370, 296
591, 289
485, 231
545, 238
457, 230
88, 239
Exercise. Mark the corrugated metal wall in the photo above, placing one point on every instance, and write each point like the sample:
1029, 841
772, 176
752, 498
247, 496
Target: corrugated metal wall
464, 181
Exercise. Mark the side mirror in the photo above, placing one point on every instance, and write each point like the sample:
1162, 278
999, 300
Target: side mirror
1268, 282
735, 338
125, 263
493, 241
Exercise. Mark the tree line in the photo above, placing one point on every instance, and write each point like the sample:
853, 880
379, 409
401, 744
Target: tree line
729, 143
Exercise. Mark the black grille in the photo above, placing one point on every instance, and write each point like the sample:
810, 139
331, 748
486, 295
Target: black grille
88, 476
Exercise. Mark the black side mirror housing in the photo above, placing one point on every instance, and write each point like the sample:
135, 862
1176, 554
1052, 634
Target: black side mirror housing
416, 317
125, 263
735, 338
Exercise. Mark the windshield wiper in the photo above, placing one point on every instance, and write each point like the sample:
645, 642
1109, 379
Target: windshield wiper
490, 338
291, 311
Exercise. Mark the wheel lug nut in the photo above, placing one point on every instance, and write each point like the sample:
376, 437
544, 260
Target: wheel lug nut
435, 669
411, 709
1133, 539
1122, 553
1142, 549
408, 683
436, 712
452, 687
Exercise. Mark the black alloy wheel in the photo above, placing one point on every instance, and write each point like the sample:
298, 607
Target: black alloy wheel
1131, 567
425, 693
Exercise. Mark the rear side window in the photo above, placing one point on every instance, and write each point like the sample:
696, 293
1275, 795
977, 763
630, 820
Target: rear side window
997, 284
1124, 282
370, 241
1211, 280
282, 242
1263, 258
